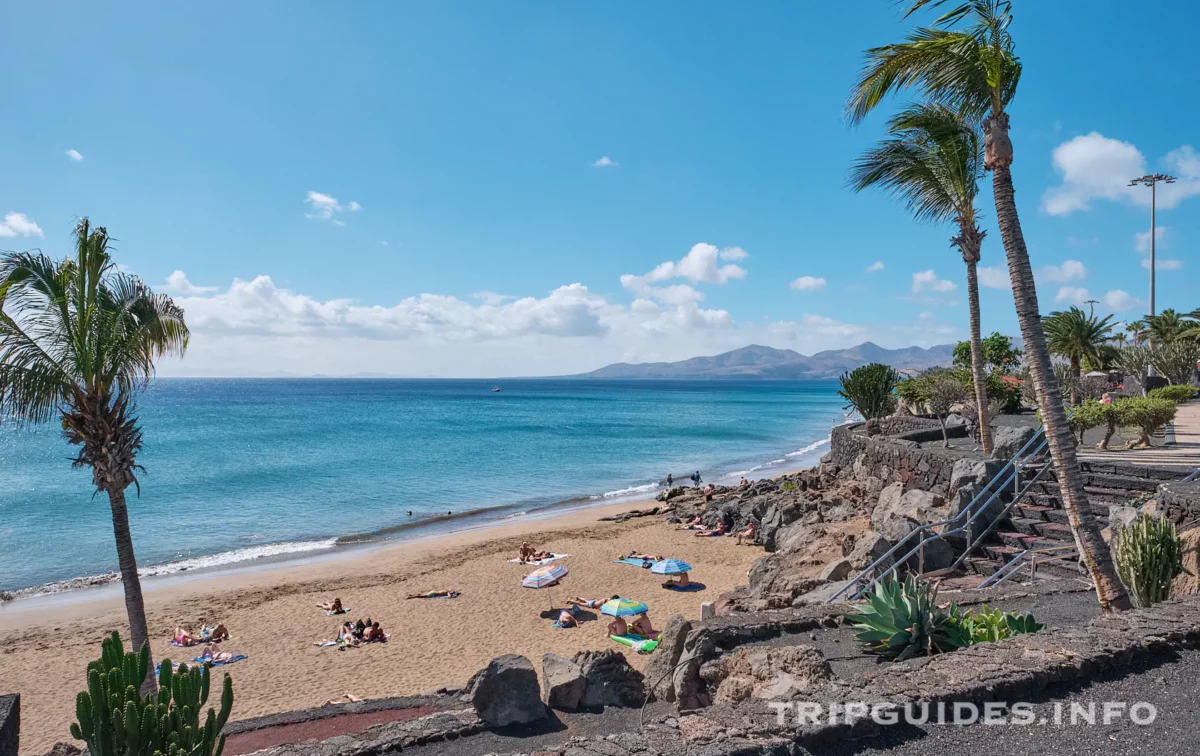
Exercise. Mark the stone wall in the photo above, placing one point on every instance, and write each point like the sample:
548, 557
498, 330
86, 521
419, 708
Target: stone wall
1180, 501
10, 724
896, 458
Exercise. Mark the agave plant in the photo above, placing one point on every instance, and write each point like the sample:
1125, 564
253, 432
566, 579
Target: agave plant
902, 620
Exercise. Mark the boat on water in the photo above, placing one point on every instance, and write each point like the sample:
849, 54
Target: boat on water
495, 389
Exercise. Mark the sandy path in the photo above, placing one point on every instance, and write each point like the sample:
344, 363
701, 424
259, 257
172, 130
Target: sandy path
438, 642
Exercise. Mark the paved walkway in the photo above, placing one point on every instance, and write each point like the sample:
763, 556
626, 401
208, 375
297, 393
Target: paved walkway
1183, 453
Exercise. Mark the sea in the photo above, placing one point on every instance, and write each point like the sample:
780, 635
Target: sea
239, 471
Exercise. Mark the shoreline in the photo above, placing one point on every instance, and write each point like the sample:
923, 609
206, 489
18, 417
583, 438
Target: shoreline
282, 555
271, 615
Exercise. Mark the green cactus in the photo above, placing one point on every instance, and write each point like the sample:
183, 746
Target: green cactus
114, 721
1149, 556
902, 620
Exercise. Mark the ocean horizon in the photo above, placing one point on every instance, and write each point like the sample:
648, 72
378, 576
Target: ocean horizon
256, 469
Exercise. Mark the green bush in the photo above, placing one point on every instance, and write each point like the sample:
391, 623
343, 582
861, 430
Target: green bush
1176, 392
1149, 556
902, 620
1148, 414
114, 721
869, 389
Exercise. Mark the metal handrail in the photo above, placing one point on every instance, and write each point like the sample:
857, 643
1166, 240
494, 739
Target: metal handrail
1014, 566
1193, 476
999, 517
966, 510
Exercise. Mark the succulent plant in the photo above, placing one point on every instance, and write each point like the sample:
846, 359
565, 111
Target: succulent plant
1149, 556
902, 620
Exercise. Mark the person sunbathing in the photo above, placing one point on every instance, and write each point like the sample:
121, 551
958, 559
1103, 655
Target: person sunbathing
434, 594
344, 698
538, 556
748, 534
183, 637
526, 552
214, 633
681, 582
566, 618
618, 627
641, 626
635, 554
587, 603
346, 635
743, 483
212, 655
717, 531
693, 524
373, 633
333, 608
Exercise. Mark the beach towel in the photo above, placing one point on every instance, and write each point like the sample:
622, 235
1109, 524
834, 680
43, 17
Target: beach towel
647, 563
547, 560
345, 610
683, 588
326, 643
637, 642
452, 594
202, 660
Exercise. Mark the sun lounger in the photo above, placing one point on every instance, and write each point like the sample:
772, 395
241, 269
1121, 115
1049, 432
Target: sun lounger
547, 560
637, 642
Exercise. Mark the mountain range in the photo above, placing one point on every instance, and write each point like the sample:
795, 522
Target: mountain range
756, 362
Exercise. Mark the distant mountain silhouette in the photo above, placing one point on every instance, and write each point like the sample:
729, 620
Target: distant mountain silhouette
762, 362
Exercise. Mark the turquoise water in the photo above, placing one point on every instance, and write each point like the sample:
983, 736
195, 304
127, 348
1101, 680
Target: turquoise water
243, 469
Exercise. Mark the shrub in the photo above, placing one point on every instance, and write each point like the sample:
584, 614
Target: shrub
1176, 392
944, 393
1176, 360
868, 389
114, 721
1149, 556
788, 485
1146, 414
903, 620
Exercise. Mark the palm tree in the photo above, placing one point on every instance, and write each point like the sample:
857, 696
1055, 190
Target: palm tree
933, 160
78, 339
967, 61
1077, 337
1168, 326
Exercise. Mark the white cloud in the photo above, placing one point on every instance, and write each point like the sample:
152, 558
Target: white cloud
74, 155
178, 283
604, 162
699, 265
1121, 301
1070, 270
734, 253
1141, 240
820, 326
807, 283
927, 280
994, 278
875, 267
18, 224
1162, 264
1094, 166
325, 207
1071, 295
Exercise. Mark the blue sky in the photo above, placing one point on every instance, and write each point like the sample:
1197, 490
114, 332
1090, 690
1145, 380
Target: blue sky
480, 188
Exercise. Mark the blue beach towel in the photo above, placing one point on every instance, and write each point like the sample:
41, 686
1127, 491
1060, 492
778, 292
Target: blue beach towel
683, 588
647, 563
202, 660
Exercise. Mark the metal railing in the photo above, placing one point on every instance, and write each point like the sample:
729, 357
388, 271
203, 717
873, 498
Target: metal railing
971, 512
1017, 498
1033, 557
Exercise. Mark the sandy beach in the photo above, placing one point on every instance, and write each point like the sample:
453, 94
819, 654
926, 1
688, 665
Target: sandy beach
272, 616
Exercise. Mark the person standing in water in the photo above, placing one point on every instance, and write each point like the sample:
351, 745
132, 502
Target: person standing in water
696, 479
670, 480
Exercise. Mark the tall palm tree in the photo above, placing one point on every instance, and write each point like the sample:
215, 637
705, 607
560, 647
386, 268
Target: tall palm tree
1169, 325
967, 61
933, 160
78, 339
1077, 337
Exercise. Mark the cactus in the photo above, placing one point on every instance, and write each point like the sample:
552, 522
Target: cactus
1149, 556
114, 721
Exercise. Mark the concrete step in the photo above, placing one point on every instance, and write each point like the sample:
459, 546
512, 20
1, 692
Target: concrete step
1055, 531
1022, 541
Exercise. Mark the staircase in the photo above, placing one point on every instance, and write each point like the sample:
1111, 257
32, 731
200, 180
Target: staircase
1038, 521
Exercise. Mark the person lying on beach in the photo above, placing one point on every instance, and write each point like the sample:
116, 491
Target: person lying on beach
748, 534
588, 603
681, 582
184, 637
693, 524
618, 627
566, 618
641, 626
214, 633
344, 698
717, 531
635, 554
333, 608
434, 594
347, 636
373, 633
211, 654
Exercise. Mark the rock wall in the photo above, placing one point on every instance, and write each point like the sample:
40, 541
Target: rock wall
10, 724
1180, 501
894, 459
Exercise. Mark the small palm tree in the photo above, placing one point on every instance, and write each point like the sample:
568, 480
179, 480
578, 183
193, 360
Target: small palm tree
78, 339
933, 161
870, 390
1077, 337
967, 61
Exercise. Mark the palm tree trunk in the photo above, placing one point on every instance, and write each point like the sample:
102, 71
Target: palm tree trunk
981, 398
135, 608
1092, 549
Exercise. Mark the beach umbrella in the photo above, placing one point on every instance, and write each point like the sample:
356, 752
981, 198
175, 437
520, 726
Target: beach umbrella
623, 607
545, 576
670, 567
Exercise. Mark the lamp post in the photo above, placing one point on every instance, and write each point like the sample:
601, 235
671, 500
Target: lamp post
1152, 180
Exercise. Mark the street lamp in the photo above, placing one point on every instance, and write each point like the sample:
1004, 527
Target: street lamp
1152, 180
